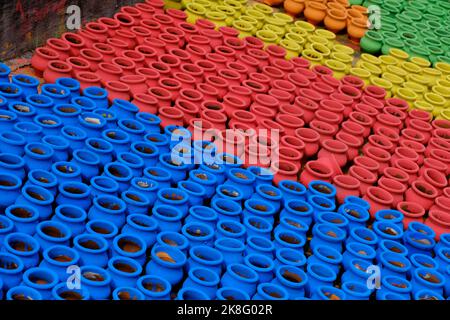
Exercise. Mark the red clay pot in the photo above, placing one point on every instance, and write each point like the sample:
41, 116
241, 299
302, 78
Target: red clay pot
311, 140
127, 65
242, 93
135, 56
308, 106
88, 79
436, 178
170, 115
351, 142
186, 80
398, 103
437, 143
107, 51
188, 28
324, 129
274, 129
266, 101
367, 163
344, 100
117, 90
236, 44
239, 68
330, 81
229, 32
411, 168
322, 70
208, 67
209, 92
328, 117
394, 187
346, 186
171, 41
204, 24
283, 65
253, 43
367, 109
151, 75
379, 141
213, 105
118, 46
172, 85
125, 20
416, 147
217, 118
353, 129
261, 78
215, 36
405, 153
379, 199
384, 120
377, 104
243, 116
333, 106
60, 46
424, 127
42, 56
441, 133
308, 74
353, 81
363, 120
146, 103
232, 104
248, 61
430, 163
300, 62
294, 143
231, 76
57, 69
137, 83
422, 193
189, 109
446, 192
336, 149
375, 92
262, 113
262, 56
396, 113
439, 221
365, 177
176, 32
289, 155
315, 170
98, 29
281, 95
351, 92
379, 155
171, 61
93, 56
219, 83
396, 174
111, 24
289, 123
323, 89
255, 87
128, 37
147, 11
298, 80
440, 124
390, 134
276, 52
284, 171
412, 212
412, 135
163, 96
443, 156
75, 41
291, 110
194, 96
230, 141
78, 65
272, 72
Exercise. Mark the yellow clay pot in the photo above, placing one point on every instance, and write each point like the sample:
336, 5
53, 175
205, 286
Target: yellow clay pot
410, 67
419, 79
279, 31
396, 81
297, 38
432, 74
421, 62
344, 49
258, 15
383, 83
436, 101
417, 88
370, 58
217, 17
293, 29
194, 11
361, 73
339, 68
444, 92
246, 29
314, 57
423, 105
330, 36
444, 114
321, 48
308, 27
284, 17
397, 71
443, 83
292, 48
398, 54
263, 8
310, 39
274, 21
249, 19
408, 95
373, 69
269, 37
236, 5
342, 57
444, 68
386, 61
229, 11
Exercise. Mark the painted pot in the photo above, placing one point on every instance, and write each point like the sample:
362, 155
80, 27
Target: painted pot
124, 271
24, 217
109, 208
23, 246
38, 198
58, 258
72, 216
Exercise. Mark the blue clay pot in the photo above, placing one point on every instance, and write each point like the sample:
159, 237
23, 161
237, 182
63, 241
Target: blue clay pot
260, 208
98, 95
260, 245
143, 226
183, 153
444, 241
355, 291
241, 277
443, 259
363, 235
262, 265
7, 120
257, 226
329, 235
12, 92
159, 140
204, 152
130, 246
97, 282
134, 128
177, 135
58, 259
41, 103
173, 197
390, 296
109, 116
392, 216
7, 226
58, 93
217, 170
289, 257
356, 215
423, 229
38, 198
92, 123
76, 137
124, 109
145, 186
393, 284
299, 210
86, 104
204, 280
358, 201
132, 161
318, 275
320, 204
68, 113
150, 121
206, 179
394, 264
231, 249
162, 176
243, 179
270, 291
327, 256
102, 148
50, 124
12, 142
31, 276
428, 295
227, 209
262, 175
43, 179
74, 193
66, 172
119, 173
447, 283
420, 281
5, 71
25, 218
92, 249
417, 242
23, 291
62, 292
207, 257
24, 111
127, 293
356, 271
147, 151
108, 208
230, 229
70, 84
28, 84
334, 219
388, 231
30, 130
168, 217
355, 250
59, 145
172, 270
419, 260
174, 239
103, 228
120, 140
196, 192
270, 194
11, 268
230, 193
38, 156
291, 279
177, 169
391, 246
229, 161
72, 216
87, 161
325, 292
226, 293
288, 239
292, 190
101, 185
124, 272
52, 233
322, 188
136, 202
29, 257
12, 164
147, 286
198, 233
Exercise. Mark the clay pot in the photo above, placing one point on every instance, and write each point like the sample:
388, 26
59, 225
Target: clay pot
57, 69
395, 188
60, 46
346, 186
42, 57
294, 143
411, 168
422, 193
145, 103
388, 121
105, 50
366, 178
356, 28
328, 117
217, 118
284, 171
294, 7
311, 140
336, 149
430, 163
289, 123
75, 41
363, 120
443, 156
169, 115
163, 96
315, 12
379, 155
352, 143
127, 65
379, 199
441, 203
335, 20
287, 154
379, 141
189, 109
412, 212
436, 178
88, 79
308, 106
315, 170
324, 129
291, 110
117, 90
396, 174
111, 24
439, 221
367, 163
136, 83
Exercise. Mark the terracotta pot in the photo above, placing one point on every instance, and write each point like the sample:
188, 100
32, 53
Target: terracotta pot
315, 170
294, 143
145, 103
289, 123
57, 69
436, 178
88, 79
367, 163
163, 96
217, 118
325, 130
107, 51
379, 155
411, 168
335, 20
117, 90
422, 193
396, 174
189, 109
284, 171
42, 57
351, 142
169, 115
336, 149
365, 177
379, 141
395, 188
430, 163
443, 156
363, 120
308, 106
75, 41
388, 121
111, 24
172, 85
311, 140
127, 65
439, 221
136, 83
346, 186
356, 29
412, 212
379, 199
294, 7
315, 12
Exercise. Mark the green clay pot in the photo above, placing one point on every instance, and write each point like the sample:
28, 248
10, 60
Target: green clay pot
418, 6
441, 32
432, 24
402, 27
368, 3
406, 35
356, 2
389, 28
414, 15
389, 34
194, 12
403, 19
371, 42
388, 20
391, 43
412, 43
435, 52
421, 52
391, 9
436, 11
445, 5
442, 59
432, 41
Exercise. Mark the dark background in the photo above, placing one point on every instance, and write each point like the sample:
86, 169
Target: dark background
26, 24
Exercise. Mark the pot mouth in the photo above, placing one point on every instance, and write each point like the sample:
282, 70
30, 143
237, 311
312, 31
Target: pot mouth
197, 231
125, 266
21, 244
231, 228
110, 204
330, 232
53, 231
61, 255
169, 256
424, 189
129, 245
37, 195
91, 243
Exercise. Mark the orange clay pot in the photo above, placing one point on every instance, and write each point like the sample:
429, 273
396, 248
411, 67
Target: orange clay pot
335, 5
273, 3
356, 29
361, 9
294, 7
336, 20
343, 3
353, 14
315, 12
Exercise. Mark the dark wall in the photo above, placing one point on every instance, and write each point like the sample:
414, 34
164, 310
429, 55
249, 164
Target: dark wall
26, 24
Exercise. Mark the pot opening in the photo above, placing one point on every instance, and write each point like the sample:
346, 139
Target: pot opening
126, 295
289, 239
124, 267
71, 295
8, 264
36, 195
429, 277
53, 232
90, 244
21, 246
109, 205
21, 213
93, 276
128, 245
